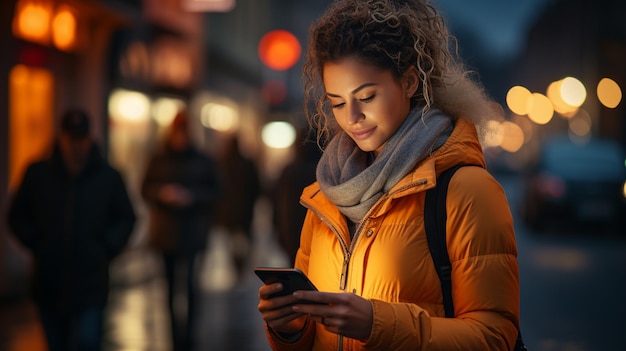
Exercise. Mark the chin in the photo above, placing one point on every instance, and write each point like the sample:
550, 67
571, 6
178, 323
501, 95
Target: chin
367, 145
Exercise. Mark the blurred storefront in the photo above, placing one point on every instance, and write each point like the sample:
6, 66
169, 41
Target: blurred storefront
156, 67
129, 63
54, 57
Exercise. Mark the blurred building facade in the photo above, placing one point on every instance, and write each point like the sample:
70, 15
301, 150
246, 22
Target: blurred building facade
55, 57
60, 54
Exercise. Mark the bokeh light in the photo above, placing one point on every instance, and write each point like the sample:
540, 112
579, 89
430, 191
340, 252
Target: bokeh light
526, 125
517, 99
513, 136
540, 109
278, 134
164, 109
573, 92
580, 124
220, 117
609, 93
279, 50
64, 28
32, 21
560, 106
126, 105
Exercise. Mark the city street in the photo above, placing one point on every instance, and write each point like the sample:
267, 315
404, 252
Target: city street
572, 289
228, 319
251, 76
572, 284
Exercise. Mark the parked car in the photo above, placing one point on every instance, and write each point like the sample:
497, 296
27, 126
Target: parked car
577, 181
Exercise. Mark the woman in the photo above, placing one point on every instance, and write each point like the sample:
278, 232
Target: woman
397, 109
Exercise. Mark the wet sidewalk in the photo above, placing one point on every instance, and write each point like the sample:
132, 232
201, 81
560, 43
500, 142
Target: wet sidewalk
136, 318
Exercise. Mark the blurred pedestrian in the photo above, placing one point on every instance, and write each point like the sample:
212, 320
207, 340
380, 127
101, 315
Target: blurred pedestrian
397, 108
288, 214
180, 187
242, 188
73, 213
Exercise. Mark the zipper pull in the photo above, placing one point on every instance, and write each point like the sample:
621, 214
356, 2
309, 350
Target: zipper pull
344, 274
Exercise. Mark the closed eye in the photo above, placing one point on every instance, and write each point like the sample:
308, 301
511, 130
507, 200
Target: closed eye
364, 100
368, 99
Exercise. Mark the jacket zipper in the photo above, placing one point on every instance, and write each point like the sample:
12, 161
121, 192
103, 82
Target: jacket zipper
365, 219
347, 251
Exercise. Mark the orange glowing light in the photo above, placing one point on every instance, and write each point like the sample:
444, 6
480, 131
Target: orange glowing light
31, 121
517, 98
609, 93
513, 139
32, 21
540, 108
279, 50
560, 105
64, 29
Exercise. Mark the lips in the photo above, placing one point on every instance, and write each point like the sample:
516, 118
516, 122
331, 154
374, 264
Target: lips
363, 133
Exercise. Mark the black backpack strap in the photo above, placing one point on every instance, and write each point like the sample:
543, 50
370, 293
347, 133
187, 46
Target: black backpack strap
435, 224
435, 218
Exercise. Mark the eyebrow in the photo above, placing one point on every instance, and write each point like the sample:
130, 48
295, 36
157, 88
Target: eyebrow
361, 87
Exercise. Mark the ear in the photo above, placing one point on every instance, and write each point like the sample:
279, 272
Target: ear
410, 81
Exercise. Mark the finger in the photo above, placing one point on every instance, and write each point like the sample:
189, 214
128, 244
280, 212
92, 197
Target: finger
327, 322
266, 291
278, 321
318, 297
281, 304
315, 310
288, 325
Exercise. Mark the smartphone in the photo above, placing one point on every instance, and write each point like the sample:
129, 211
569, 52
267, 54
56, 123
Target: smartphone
292, 279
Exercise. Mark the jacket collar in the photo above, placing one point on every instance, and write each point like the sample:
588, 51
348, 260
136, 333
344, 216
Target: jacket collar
462, 146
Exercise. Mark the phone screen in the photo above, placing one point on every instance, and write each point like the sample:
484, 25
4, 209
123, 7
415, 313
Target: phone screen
292, 279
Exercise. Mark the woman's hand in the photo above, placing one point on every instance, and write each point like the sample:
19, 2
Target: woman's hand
278, 312
341, 313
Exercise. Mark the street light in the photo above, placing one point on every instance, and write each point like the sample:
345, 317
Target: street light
279, 50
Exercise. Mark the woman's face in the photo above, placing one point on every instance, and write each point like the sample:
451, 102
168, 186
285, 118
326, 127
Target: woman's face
368, 103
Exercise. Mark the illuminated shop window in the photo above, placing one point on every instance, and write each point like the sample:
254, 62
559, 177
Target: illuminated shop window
31, 119
40, 21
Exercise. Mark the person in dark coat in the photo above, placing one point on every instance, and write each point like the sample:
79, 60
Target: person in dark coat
288, 214
73, 213
242, 188
181, 186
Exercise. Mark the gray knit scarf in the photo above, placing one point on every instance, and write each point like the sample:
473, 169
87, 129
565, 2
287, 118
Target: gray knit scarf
346, 179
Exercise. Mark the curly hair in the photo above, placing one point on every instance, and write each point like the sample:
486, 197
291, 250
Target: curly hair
393, 35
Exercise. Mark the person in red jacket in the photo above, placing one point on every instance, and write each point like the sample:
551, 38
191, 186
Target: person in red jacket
397, 108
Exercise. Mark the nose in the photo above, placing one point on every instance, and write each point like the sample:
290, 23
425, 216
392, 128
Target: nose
355, 114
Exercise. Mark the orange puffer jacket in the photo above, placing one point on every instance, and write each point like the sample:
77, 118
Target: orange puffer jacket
388, 261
